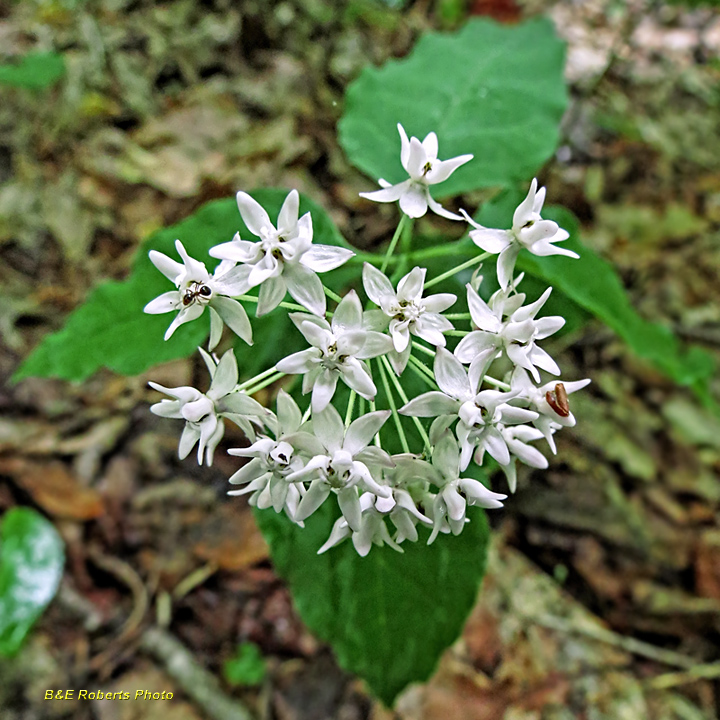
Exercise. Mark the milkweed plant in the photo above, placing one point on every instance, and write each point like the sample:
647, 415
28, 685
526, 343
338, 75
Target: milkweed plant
320, 450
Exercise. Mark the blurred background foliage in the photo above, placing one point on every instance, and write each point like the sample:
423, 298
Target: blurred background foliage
119, 118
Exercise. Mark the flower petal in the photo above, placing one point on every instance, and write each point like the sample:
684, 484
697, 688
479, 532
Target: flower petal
411, 286
414, 200
166, 302
329, 428
443, 169
187, 314
356, 377
388, 194
272, 293
234, 316
430, 404
323, 390
253, 215
289, 213
226, 376
348, 314
306, 288
170, 268
322, 258
377, 286
299, 362
438, 209
363, 430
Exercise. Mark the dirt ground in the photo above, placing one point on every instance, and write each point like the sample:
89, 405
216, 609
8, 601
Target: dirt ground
603, 596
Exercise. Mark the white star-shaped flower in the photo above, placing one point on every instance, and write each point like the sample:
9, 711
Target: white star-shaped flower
420, 161
338, 349
202, 412
197, 289
346, 466
285, 259
549, 400
528, 231
408, 311
505, 326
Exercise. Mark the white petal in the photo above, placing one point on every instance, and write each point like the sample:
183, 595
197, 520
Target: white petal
411, 286
357, 378
399, 361
216, 328
234, 316
506, 265
329, 428
404, 146
272, 293
349, 504
323, 390
430, 145
232, 282
524, 211
478, 494
263, 269
348, 314
375, 344
363, 430
451, 376
306, 288
490, 240
253, 215
476, 343
322, 258
414, 201
438, 209
289, 212
377, 286
299, 362
496, 447
315, 496
439, 303
188, 314
288, 413
388, 194
170, 268
416, 159
226, 376
164, 303
194, 269
430, 404
442, 170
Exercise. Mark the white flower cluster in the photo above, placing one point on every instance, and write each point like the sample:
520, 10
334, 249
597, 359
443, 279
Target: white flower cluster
297, 460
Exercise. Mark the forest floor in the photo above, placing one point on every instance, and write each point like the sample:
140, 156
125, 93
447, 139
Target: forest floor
602, 600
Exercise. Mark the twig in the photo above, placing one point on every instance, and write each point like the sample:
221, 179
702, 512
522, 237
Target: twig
197, 683
711, 671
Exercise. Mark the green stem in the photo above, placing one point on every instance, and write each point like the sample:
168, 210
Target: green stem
350, 405
496, 383
265, 383
423, 371
332, 295
373, 408
457, 333
422, 375
393, 408
458, 316
257, 378
306, 414
404, 398
423, 349
286, 305
457, 269
393, 242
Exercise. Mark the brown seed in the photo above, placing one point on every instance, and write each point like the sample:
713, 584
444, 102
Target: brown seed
558, 400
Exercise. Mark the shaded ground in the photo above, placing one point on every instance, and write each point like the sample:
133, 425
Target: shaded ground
168, 106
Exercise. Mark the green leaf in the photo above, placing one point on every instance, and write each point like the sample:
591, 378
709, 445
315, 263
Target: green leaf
493, 90
111, 330
593, 284
31, 565
247, 667
34, 71
388, 616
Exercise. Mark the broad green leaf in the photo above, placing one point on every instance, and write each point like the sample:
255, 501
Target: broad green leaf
388, 616
111, 330
595, 286
31, 565
493, 90
34, 71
